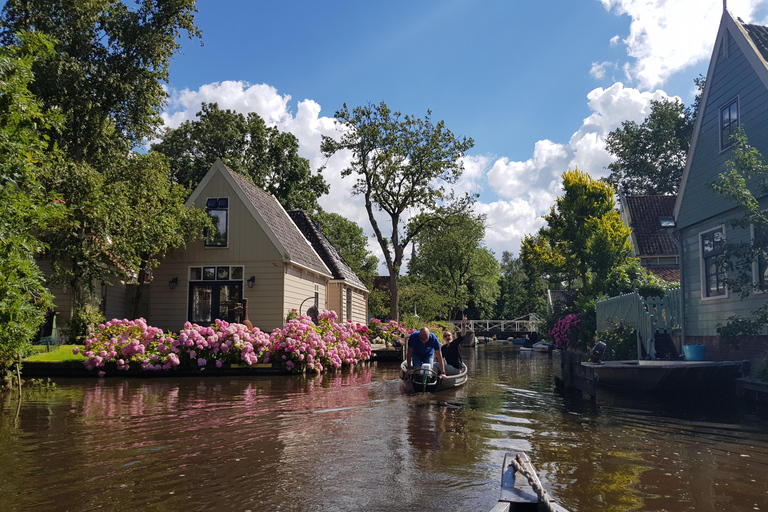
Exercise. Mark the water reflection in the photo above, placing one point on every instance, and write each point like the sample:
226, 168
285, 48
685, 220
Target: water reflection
353, 441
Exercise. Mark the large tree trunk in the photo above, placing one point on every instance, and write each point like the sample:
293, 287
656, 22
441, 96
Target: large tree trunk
394, 297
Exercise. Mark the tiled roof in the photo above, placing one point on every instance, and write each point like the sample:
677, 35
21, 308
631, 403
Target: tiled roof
325, 249
669, 274
298, 248
759, 36
644, 213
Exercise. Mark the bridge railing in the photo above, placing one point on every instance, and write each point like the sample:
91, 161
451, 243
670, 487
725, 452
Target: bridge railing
525, 324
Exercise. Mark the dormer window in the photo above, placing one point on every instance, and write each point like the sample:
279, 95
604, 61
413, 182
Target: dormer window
729, 123
217, 209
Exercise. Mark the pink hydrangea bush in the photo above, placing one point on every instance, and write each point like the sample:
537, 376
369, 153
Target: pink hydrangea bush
130, 341
301, 345
565, 330
222, 342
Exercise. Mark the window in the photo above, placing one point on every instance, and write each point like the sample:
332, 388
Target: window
349, 303
729, 123
760, 239
713, 272
217, 209
215, 292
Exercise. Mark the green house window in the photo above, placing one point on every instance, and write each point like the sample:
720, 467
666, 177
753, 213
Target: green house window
729, 123
714, 272
217, 209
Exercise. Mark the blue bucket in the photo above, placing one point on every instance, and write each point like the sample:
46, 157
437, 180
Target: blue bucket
694, 352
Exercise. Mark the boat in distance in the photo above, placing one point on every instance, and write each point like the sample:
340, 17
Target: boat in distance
420, 380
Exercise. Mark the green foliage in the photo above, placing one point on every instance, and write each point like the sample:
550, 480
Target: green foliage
350, 241
62, 353
620, 341
651, 156
584, 239
25, 208
451, 257
745, 172
630, 276
428, 299
378, 304
248, 146
401, 164
106, 69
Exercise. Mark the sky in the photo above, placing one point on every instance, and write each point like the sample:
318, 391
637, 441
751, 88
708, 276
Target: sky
537, 85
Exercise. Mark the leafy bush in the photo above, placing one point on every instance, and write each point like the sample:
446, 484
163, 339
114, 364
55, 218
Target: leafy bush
621, 342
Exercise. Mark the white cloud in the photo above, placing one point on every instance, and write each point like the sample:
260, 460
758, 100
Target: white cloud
615, 40
669, 36
598, 70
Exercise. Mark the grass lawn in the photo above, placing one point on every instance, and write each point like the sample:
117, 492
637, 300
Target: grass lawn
57, 354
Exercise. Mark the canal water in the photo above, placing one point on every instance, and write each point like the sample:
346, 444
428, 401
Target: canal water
355, 441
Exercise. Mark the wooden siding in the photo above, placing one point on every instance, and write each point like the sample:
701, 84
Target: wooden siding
703, 314
335, 295
300, 286
732, 77
359, 306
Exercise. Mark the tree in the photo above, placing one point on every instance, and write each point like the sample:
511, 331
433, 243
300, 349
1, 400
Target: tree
104, 74
520, 291
745, 172
107, 69
584, 239
351, 243
450, 255
155, 220
401, 164
25, 209
248, 146
651, 156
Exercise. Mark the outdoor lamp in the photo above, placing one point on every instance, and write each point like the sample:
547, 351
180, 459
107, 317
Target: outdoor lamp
598, 352
251, 281
173, 282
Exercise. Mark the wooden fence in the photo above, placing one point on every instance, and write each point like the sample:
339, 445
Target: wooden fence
646, 316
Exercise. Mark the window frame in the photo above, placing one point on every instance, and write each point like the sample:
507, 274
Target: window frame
704, 267
756, 266
207, 239
725, 142
215, 282
349, 304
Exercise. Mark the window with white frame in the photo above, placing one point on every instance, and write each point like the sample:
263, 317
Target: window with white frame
729, 122
713, 272
349, 303
217, 209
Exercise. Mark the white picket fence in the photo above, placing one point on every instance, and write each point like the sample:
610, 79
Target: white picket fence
646, 316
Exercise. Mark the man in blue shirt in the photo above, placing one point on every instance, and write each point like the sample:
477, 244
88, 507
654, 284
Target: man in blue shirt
422, 347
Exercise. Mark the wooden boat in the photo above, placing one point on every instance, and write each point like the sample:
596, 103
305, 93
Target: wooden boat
542, 346
521, 489
421, 381
653, 376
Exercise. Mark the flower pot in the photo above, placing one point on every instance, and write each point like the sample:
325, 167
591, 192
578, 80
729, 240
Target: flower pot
694, 352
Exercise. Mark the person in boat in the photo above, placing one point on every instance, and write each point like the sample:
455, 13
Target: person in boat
424, 347
450, 349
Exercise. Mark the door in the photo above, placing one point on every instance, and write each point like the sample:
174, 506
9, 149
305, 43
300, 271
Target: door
211, 300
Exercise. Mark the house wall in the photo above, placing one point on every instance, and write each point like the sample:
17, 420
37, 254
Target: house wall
733, 77
359, 306
276, 290
300, 287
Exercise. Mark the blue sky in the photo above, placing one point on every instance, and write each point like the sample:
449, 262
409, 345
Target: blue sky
537, 85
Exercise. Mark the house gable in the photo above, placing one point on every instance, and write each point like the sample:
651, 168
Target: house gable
738, 71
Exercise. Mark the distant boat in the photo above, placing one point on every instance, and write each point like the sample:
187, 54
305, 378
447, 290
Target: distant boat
542, 346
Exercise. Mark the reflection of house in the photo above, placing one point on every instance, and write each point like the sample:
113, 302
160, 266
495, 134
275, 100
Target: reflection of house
736, 94
655, 248
255, 252
347, 295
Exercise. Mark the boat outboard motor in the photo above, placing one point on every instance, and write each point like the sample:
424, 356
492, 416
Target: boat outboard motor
598, 352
